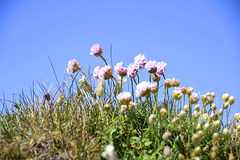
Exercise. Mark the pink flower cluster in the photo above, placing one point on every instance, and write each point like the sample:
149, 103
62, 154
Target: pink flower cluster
96, 50
124, 97
132, 70
73, 66
104, 72
151, 66
144, 88
120, 69
140, 60
161, 68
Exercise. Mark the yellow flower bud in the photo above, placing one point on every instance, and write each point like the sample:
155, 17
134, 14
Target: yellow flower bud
197, 150
206, 127
100, 88
152, 118
220, 112
198, 127
189, 91
213, 155
225, 132
163, 112
175, 120
182, 115
197, 108
195, 139
215, 136
225, 97
184, 90
231, 100
216, 124
200, 133
214, 107
213, 95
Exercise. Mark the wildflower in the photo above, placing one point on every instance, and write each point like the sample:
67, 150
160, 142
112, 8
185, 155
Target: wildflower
143, 89
96, 72
195, 139
197, 150
182, 115
216, 124
206, 127
153, 87
213, 95
132, 105
109, 153
175, 120
120, 69
166, 136
96, 50
152, 118
186, 108
225, 105
215, 136
124, 97
197, 107
193, 98
100, 88
132, 70
175, 82
105, 72
214, 148
189, 91
73, 66
47, 96
195, 114
177, 93
225, 97
220, 112
184, 90
225, 132
231, 100
167, 152
107, 107
123, 109
214, 107
163, 112
161, 68
200, 133
140, 60
204, 99
167, 83
151, 66
237, 116
198, 127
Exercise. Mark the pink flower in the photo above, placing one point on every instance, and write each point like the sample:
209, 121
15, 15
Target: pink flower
161, 67
120, 69
96, 50
132, 70
124, 97
105, 72
96, 72
73, 66
143, 89
140, 60
177, 90
151, 66
153, 87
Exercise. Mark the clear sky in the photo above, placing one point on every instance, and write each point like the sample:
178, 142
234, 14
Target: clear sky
198, 39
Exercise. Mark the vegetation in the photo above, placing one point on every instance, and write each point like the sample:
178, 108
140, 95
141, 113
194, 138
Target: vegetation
80, 121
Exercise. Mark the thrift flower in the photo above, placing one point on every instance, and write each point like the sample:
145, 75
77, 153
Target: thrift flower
143, 89
225, 97
96, 72
161, 68
73, 66
177, 93
105, 72
96, 50
153, 87
132, 70
120, 69
151, 66
140, 60
124, 97
193, 98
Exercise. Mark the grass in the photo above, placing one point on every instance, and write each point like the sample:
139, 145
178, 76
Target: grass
79, 121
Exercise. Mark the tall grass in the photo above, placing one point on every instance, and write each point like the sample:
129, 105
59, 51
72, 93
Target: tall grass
80, 121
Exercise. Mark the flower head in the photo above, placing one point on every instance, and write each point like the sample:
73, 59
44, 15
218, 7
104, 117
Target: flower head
193, 98
96, 72
124, 97
151, 66
161, 67
73, 66
105, 72
96, 50
132, 70
140, 60
120, 69
143, 89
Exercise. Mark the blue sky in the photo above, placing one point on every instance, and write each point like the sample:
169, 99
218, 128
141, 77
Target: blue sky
199, 40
